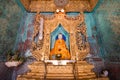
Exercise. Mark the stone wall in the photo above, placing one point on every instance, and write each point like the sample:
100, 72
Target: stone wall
10, 15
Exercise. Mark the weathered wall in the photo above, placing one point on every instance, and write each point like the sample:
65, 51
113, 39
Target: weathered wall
25, 31
107, 17
10, 15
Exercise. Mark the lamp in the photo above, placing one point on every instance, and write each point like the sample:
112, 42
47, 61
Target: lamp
57, 10
60, 10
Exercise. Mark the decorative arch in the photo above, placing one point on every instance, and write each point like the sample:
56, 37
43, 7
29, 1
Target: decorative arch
54, 36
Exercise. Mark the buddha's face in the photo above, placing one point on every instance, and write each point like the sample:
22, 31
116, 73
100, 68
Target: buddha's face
60, 36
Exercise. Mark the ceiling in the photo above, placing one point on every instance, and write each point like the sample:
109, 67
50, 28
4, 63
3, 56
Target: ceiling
52, 5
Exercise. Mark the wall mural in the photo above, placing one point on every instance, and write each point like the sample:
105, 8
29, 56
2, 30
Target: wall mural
107, 22
92, 35
10, 16
24, 37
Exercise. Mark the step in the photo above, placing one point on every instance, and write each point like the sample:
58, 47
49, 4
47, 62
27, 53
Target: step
35, 66
68, 64
22, 79
28, 79
61, 72
84, 66
81, 62
59, 69
38, 62
35, 74
32, 77
86, 77
55, 75
84, 71
61, 77
86, 74
37, 71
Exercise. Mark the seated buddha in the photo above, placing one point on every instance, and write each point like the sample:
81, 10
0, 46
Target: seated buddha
60, 51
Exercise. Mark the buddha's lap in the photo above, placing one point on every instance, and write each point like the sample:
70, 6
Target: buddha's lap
60, 48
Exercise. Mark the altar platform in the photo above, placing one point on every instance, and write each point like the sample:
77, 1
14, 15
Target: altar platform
60, 70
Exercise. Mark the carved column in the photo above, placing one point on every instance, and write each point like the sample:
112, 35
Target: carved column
72, 46
47, 46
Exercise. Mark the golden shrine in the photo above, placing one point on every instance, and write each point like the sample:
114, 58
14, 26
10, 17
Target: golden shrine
50, 64
68, 23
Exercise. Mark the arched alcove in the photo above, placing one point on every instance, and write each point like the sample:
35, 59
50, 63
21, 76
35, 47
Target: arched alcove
54, 36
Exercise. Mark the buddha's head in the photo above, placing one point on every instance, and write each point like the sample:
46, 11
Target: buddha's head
60, 36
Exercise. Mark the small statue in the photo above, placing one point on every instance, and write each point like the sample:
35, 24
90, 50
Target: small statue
60, 50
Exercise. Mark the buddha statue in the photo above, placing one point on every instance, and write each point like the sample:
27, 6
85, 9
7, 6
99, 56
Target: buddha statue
60, 51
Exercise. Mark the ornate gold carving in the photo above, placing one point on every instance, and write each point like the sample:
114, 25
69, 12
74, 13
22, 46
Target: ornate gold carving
81, 41
47, 46
26, 4
59, 69
52, 5
73, 26
36, 25
61, 3
79, 17
77, 6
48, 17
81, 36
37, 46
93, 3
49, 6
37, 54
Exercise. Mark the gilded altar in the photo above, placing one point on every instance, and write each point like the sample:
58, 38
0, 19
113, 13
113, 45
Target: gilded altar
44, 40
75, 26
